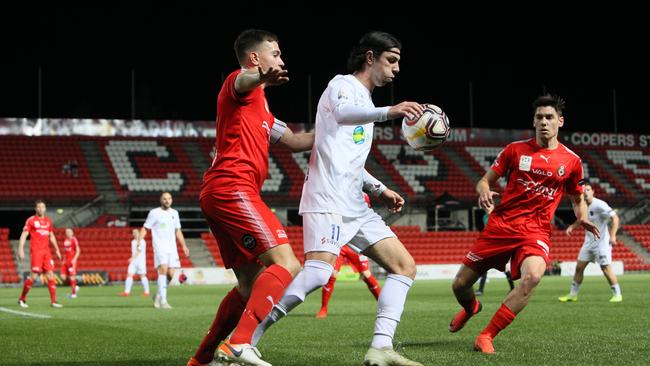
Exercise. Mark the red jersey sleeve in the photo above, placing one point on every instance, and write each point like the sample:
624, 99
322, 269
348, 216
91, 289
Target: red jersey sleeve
229, 84
575, 184
28, 224
502, 163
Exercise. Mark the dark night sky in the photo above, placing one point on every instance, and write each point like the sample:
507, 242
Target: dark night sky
179, 54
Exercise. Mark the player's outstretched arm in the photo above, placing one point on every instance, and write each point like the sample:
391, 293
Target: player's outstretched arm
21, 245
252, 78
580, 210
485, 195
297, 142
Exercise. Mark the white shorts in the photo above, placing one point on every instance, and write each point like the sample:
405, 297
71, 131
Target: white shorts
138, 267
171, 260
326, 232
600, 253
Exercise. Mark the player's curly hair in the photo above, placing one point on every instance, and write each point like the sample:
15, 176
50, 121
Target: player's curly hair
549, 100
374, 41
248, 39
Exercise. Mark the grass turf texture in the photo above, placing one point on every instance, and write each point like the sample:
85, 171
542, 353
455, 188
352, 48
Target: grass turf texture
100, 328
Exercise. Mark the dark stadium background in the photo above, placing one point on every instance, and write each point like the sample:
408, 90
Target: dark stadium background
595, 58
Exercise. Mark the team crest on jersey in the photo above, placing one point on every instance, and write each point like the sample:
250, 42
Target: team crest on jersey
359, 135
248, 241
525, 162
342, 95
37, 224
560, 171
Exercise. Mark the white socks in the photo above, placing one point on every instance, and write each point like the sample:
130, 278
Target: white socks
128, 284
575, 287
616, 289
314, 275
162, 288
145, 283
389, 309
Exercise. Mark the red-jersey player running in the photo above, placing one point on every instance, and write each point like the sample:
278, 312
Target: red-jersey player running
41, 231
251, 239
539, 171
71, 252
359, 264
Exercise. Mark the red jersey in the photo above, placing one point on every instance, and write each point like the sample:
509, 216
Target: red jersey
70, 248
537, 179
39, 229
244, 125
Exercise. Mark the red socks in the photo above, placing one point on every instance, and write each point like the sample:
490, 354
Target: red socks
267, 290
230, 310
501, 319
51, 286
26, 287
73, 284
328, 289
373, 285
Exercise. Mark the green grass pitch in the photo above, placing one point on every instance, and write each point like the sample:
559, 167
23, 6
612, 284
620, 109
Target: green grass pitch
100, 328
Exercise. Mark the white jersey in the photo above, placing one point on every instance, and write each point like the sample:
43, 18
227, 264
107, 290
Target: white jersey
142, 246
343, 137
163, 225
600, 214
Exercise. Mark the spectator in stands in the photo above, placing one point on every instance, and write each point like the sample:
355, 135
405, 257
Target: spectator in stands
71, 252
596, 249
251, 239
190, 131
165, 225
137, 265
539, 170
334, 212
39, 227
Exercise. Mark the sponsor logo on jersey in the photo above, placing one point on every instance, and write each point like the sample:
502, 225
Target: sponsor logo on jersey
248, 241
359, 135
324, 240
538, 188
544, 157
525, 162
473, 257
281, 233
542, 172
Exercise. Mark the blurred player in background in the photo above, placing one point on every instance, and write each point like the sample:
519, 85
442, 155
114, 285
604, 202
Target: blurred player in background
596, 249
332, 205
71, 252
137, 265
251, 239
539, 171
359, 263
41, 232
165, 225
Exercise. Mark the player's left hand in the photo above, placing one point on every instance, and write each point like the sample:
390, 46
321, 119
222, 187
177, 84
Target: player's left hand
612, 240
58, 255
186, 250
392, 200
590, 227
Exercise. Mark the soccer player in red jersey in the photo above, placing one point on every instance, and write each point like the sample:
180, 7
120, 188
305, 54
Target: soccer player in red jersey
251, 239
39, 227
539, 171
71, 252
359, 264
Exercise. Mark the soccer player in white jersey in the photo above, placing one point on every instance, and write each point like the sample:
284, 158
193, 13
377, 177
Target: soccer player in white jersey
137, 264
594, 249
165, 226
332, 204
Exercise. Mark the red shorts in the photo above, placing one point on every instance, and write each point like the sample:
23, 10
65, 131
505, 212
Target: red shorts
243, 225
490, 251
358, 262
68, 269
42, 261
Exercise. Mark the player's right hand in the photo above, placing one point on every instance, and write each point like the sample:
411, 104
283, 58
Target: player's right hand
410, 110
569, 230
486, 200
590, 227
273, 76
21, 254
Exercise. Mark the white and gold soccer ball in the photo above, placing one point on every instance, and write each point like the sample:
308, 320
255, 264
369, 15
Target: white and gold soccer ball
429, 131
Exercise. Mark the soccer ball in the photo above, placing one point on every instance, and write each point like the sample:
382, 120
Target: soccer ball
429, 131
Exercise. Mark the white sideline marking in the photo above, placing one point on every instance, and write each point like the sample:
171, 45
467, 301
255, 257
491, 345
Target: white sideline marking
22, 313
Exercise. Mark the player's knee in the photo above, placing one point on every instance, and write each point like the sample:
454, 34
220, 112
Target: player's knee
531, 280
460, 284
291, 265
405, 267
